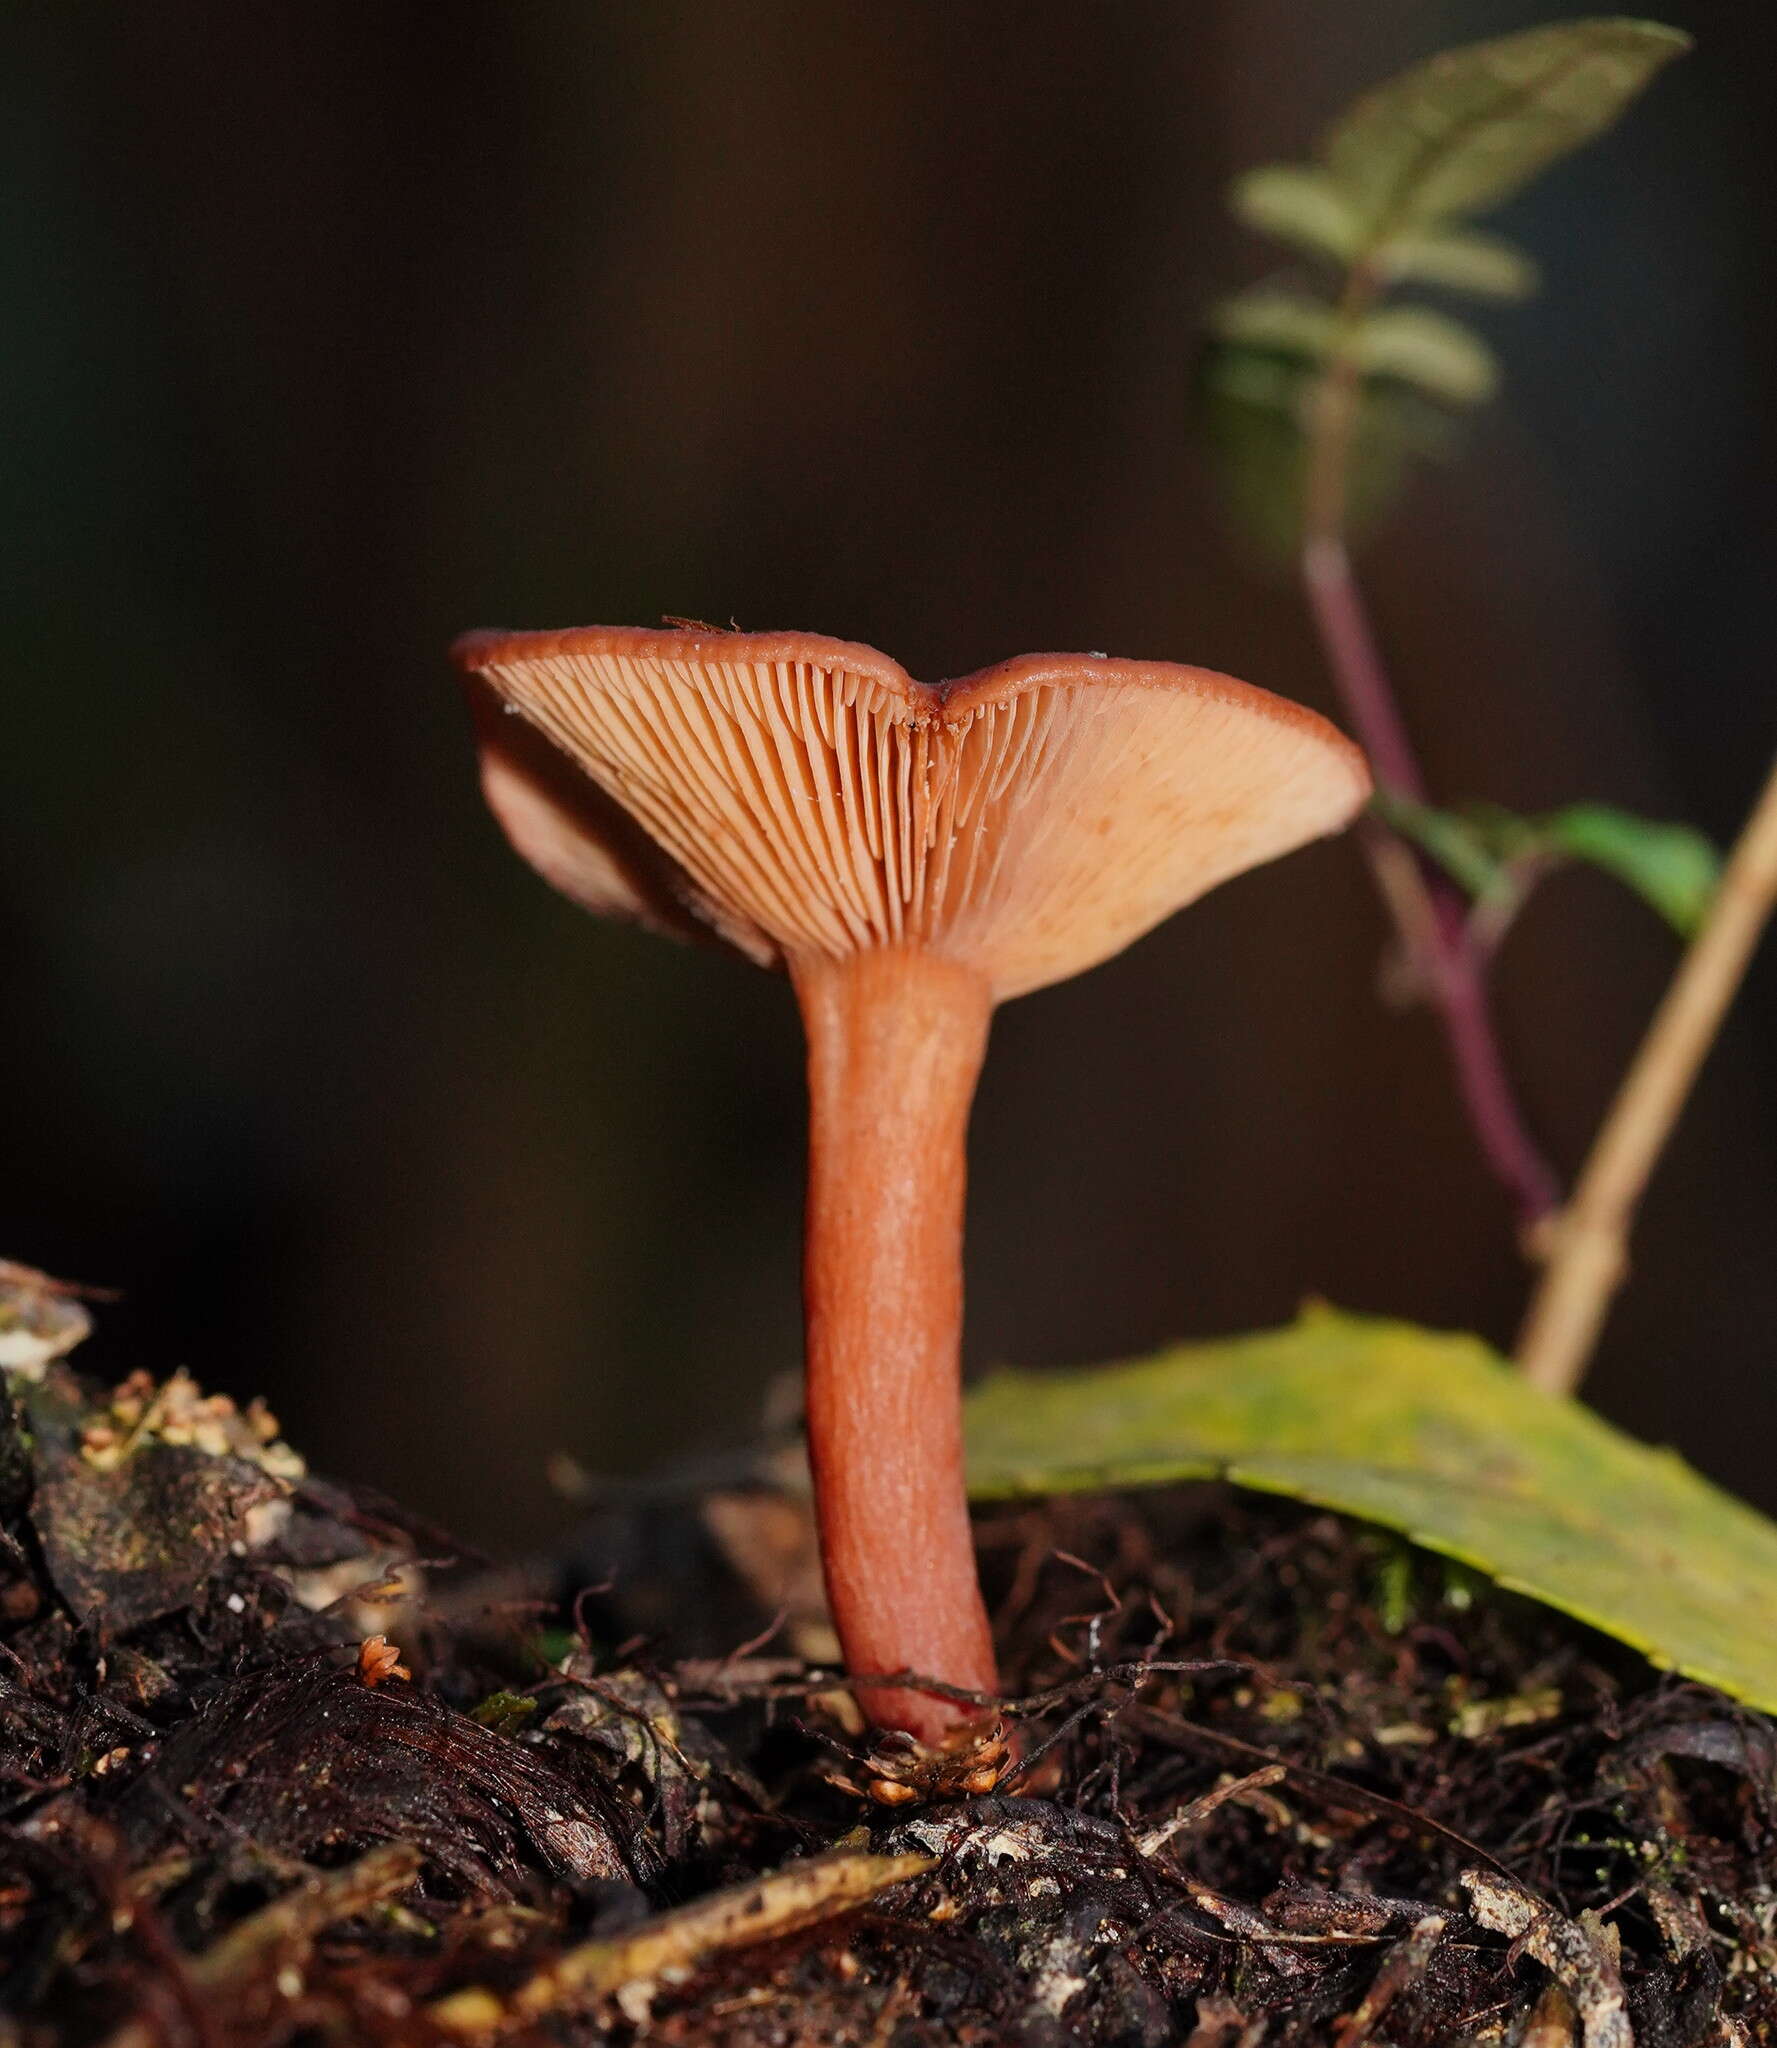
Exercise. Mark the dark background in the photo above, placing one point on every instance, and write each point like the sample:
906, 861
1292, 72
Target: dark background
332, 330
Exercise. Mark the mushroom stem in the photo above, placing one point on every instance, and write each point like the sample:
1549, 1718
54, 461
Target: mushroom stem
895, 1041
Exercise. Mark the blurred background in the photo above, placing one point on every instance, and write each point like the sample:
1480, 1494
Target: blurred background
331, 330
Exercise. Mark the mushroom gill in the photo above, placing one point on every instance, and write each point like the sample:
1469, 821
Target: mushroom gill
1031, 820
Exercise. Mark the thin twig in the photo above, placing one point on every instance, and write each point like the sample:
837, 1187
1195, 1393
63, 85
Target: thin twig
1156, 1839
1176, 1733
1428, 912
1588, 1240
764, 1909
1407, 1962
1134, 1671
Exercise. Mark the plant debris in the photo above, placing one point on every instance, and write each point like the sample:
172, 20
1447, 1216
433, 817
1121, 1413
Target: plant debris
668, 1947
278, 1767
1581, 1955
41, 1319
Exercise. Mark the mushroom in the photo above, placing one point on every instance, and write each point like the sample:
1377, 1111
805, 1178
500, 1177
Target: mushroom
910, 854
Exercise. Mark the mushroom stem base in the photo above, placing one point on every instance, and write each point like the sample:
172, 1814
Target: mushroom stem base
895, 1041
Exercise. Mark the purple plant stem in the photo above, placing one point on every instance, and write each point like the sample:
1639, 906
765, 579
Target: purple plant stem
1352, 655
1438, 937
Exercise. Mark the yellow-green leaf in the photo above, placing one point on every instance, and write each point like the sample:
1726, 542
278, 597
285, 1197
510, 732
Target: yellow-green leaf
1431, 1434
1461, 260
1468, 127
1299, 204
1438, 355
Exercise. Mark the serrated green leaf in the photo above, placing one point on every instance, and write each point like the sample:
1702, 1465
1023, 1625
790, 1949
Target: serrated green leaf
1674, 869
1431, 1434
1299, 204
1461, 260
1469, 127
1273, 318
1438, 355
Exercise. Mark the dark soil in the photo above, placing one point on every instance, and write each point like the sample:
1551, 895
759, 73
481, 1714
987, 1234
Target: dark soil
1446, 1815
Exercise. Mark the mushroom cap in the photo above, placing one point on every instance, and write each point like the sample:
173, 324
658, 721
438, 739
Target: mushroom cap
799, 797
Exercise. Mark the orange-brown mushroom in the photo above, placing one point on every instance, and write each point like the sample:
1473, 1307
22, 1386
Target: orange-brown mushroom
911, 854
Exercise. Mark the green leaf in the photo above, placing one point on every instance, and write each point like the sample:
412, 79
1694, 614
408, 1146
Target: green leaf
1299, 204
1461, 260
1259, 380
1673, 868
1254, 401
504, 1712
1409, 344
1457, 843
1431, 1434
1469, 127
1438, 355
1277, 320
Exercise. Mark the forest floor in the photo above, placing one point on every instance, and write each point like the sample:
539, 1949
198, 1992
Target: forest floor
279, 1766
